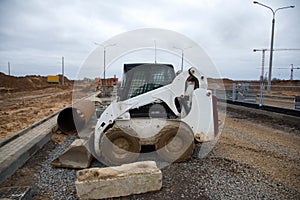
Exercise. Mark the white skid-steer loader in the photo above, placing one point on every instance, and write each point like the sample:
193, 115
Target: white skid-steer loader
156, 107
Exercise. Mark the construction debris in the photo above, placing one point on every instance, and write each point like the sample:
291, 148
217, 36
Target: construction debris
75, 156
124, 180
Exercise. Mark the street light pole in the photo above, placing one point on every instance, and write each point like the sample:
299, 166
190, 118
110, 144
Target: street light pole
155, 60
63, 70
104, 55
272, 39
8, 66
104, 67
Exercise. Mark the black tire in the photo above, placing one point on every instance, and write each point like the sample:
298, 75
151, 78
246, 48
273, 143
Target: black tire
176, 144
118, 147
91, 147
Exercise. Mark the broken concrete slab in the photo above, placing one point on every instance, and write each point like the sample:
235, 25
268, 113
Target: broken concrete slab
124, 180
75, 156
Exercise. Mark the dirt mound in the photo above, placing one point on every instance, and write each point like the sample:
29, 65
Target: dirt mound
213, 81
286, 82
28, 83
253, 82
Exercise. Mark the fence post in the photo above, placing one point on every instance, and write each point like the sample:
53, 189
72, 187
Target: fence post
215, 89
233, 91
297, 102
261, 97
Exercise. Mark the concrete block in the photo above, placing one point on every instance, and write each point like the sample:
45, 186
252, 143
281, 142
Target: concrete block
124, 180
75, 156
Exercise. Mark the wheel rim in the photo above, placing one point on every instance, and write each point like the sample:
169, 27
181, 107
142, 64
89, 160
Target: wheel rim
175, 144
121, 147
117, 147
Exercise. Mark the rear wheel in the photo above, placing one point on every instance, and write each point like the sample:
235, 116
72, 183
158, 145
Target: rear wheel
118, 147
176, 143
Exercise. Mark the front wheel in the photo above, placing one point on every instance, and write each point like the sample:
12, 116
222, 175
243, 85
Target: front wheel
176, 143
118, 147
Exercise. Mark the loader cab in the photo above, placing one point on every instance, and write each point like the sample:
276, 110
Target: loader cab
140, 78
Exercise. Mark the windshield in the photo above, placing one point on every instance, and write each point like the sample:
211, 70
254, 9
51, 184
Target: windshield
146, 77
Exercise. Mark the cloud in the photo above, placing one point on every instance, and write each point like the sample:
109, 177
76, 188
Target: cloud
34, 34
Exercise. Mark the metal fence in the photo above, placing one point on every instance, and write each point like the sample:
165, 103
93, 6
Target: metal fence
280, 96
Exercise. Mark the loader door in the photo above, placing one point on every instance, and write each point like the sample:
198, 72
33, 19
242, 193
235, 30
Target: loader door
141, 78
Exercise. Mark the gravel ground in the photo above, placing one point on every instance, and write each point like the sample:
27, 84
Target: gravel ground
212, 177
251, 160
55, 183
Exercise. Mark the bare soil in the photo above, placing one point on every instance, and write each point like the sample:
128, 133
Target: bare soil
25, 100
274, 150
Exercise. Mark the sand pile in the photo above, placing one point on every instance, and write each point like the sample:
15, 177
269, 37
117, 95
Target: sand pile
28, 83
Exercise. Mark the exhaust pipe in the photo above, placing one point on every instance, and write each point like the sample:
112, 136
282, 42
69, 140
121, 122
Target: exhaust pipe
73, 119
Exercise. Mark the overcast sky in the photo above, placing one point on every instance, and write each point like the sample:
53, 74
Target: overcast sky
35, 34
